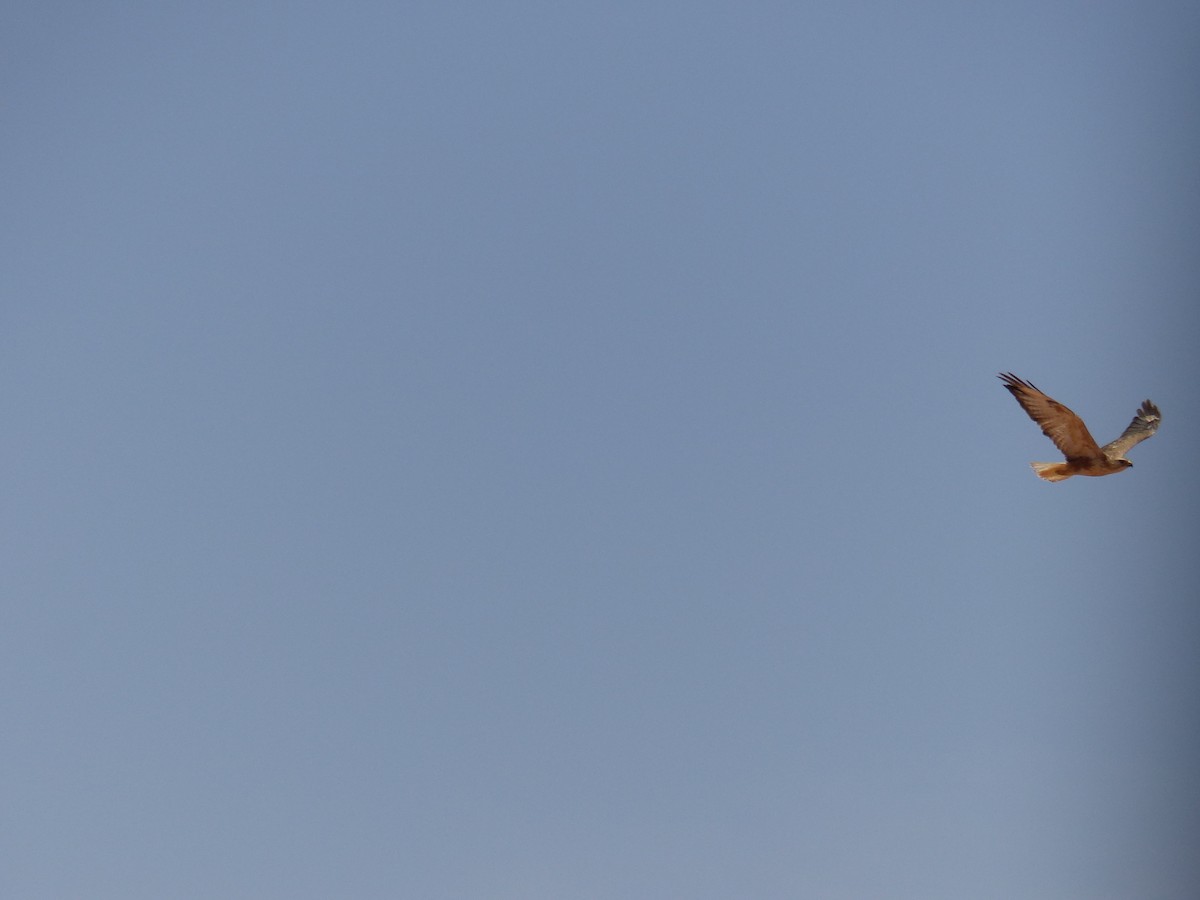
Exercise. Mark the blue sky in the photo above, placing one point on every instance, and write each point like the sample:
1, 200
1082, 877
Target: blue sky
541, 450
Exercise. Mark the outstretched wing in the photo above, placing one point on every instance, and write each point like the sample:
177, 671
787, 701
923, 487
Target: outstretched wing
1058, 423
1144, 424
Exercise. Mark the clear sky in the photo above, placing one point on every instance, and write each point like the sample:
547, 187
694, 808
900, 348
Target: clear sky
545, 450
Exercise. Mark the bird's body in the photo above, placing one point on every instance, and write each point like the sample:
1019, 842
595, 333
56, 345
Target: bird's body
1083, 455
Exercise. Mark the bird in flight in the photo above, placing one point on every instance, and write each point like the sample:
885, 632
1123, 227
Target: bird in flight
1071, 437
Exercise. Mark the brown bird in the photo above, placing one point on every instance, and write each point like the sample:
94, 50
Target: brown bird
1071, 436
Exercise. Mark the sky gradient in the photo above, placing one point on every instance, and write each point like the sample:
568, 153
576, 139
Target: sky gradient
554, 451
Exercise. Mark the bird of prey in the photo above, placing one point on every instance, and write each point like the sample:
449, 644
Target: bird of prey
1071, 436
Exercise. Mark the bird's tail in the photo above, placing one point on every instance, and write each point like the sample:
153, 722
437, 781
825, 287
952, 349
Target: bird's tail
1052, 471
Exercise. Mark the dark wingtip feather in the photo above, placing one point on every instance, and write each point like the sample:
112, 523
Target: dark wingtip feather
1014, 384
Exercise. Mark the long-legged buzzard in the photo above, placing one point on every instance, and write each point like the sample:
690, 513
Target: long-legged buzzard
1071, 436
